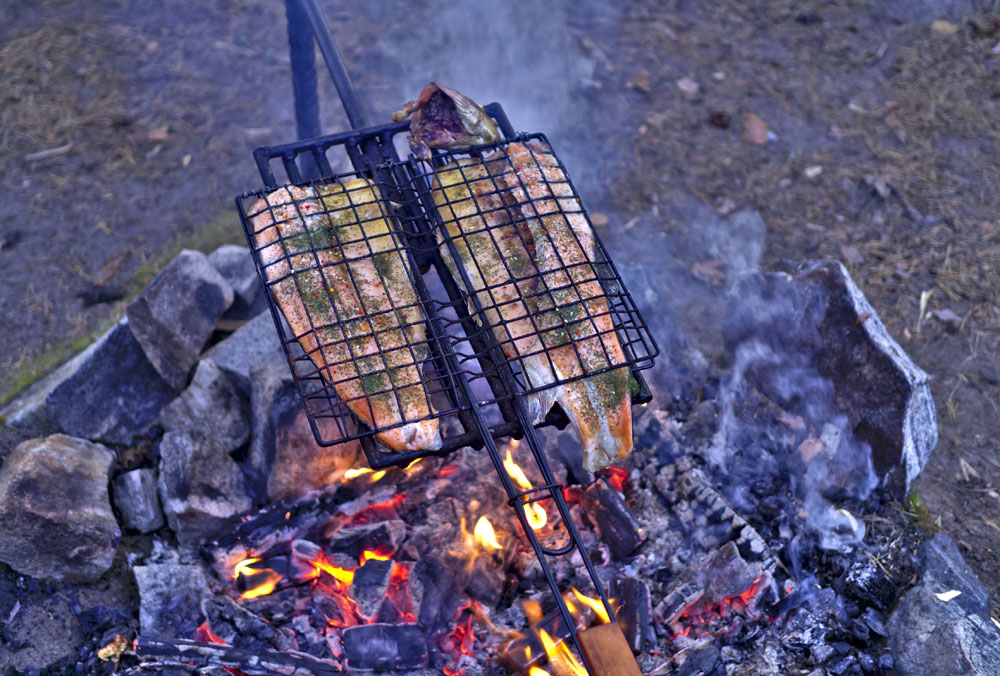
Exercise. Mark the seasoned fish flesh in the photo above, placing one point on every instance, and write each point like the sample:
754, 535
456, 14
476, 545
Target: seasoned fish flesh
495, 252
574, 319
336, 272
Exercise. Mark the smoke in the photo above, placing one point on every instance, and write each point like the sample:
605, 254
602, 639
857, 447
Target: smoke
771, 329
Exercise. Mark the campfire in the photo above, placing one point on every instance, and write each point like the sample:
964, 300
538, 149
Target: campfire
455, 483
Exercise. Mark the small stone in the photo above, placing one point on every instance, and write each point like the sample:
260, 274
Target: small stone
201, 487
56, 521
254, 344
235, 264
113, 394
136, 500
170, 597
211, 406
176, 313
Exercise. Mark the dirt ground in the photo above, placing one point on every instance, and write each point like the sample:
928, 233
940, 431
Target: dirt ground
860, 131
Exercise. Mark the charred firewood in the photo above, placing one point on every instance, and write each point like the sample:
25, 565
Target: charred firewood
618, 525
240, 628
527, 651
371, 582
633, 608
252, 663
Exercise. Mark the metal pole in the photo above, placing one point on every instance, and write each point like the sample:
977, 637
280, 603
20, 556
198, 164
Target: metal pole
335, 64
303, 57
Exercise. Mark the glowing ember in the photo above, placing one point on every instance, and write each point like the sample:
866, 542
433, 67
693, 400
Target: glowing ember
596, 604
616, 477
485, 535
379, 554
559, 654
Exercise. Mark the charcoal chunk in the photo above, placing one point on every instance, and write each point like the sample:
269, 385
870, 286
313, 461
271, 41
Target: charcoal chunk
634, 609
617, 524
176, 313
866, 582
385, 647
368, 589
137, 501
56, 521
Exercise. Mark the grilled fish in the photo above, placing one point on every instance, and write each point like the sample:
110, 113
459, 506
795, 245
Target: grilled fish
574, 319
494, 250
335, 270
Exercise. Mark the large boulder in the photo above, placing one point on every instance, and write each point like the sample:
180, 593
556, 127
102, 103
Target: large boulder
56, 521
176, 313
813, 319
112, 392
943, 624
201, 487
211, 406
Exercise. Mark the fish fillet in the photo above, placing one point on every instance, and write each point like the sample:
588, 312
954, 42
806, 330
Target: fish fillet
575, 320
496, 257
335, 271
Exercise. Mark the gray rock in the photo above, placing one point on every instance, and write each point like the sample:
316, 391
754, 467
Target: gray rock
236, 266
177, 312
136, 500
56, 521
201, 487
814, 319
170, 597
253, 344
283, 451
956, 637
112, 394
210, 406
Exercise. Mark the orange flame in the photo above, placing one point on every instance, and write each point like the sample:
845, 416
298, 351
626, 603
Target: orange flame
341, 575
559, 654
355, 473
243, 567
485, 535
264, 588
595, 604
534, 512
536, 671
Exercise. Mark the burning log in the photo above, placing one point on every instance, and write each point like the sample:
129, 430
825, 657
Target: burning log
618, 526
529, 651
385, 646
633, 608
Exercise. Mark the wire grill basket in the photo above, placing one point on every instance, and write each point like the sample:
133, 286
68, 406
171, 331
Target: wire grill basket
389, 286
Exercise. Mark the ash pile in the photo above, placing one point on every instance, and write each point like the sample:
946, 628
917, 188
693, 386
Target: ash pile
754, 530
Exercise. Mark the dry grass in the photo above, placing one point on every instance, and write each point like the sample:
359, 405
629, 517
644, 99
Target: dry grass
58, 88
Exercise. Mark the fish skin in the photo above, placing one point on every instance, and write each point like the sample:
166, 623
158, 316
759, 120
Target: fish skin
496, 255
334, 299
571, 300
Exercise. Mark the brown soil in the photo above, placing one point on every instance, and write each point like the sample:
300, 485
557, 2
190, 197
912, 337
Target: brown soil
162, 110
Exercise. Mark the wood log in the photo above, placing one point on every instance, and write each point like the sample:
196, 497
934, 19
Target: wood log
607, 651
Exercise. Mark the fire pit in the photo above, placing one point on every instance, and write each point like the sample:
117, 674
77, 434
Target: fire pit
755, 528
